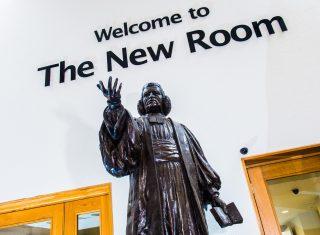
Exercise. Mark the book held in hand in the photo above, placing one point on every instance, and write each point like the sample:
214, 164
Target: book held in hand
223, 219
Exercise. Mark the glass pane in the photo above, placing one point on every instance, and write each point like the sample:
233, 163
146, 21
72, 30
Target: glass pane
39, 228
297, 203
89, 224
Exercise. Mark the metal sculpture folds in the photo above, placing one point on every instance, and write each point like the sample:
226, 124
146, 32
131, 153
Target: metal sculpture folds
171, 181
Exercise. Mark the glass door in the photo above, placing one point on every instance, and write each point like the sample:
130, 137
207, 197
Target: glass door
296, 200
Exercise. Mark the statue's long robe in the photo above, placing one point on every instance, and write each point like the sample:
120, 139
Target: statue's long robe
170, 180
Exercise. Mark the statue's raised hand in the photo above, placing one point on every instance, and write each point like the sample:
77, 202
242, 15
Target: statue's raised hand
112, 93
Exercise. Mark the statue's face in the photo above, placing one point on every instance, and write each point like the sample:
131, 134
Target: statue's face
152, 99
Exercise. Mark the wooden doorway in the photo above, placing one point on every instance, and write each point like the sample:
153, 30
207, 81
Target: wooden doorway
285, 173
74, 212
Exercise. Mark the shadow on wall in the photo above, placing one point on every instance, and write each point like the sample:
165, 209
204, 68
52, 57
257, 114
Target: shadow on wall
82, 148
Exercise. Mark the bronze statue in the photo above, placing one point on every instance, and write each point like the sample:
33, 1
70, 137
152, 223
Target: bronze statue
170, 179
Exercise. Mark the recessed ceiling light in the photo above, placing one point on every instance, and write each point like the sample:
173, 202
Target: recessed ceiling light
284, 212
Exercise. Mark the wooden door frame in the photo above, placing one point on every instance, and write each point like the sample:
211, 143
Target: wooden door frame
260, 168
84, 206
52, 213
102, 191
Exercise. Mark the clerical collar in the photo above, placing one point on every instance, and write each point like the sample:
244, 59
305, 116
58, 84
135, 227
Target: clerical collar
156, 118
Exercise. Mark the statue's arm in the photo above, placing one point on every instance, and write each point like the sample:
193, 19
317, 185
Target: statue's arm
120, 142
115, 120
209, 180
119, 134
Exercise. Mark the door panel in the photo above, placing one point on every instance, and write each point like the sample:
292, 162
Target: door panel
44, 220
88, 216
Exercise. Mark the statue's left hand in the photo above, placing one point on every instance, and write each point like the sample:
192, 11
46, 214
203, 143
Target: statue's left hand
220, 203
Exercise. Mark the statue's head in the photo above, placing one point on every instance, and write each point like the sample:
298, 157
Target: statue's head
153, 100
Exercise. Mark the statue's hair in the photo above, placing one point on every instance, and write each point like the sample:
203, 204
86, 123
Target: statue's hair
166, 102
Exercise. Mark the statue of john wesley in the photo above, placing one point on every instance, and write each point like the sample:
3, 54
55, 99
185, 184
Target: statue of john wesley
170, 179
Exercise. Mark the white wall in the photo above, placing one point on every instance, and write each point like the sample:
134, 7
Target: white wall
262, 93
